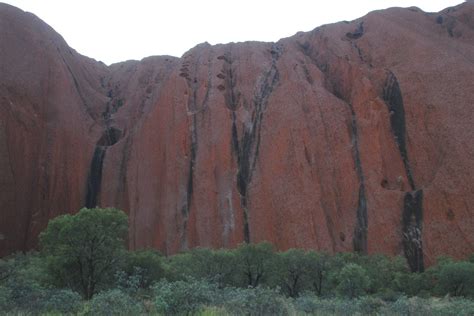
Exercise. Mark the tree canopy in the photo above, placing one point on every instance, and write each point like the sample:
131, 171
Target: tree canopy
83, 249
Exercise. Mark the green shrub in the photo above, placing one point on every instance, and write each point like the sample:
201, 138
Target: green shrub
317, 306
352, 281
5, 299
254, 301
25, 295
369, 305
457, 278
383, 271
408, 306
114, 302
453, 307
83, 250
183, 297
471, 258
254, 263
293, 274
61, 301
307, 303
318, 272
141, 269
213, 311
201, 263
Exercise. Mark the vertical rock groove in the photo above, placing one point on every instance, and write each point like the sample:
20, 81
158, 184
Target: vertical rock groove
110, 136
412, 220
360, 231
189, 186
392, 96
194, 107
246, 148
94, 179
412, 216
339, 90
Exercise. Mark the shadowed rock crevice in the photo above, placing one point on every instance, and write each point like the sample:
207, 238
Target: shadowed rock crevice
392, 96
94, 179
360, 231
229, 86
110, 137
336, 86
412, 219
358, 32
412, 214
412, 229
246, 148
194, 107
192, 163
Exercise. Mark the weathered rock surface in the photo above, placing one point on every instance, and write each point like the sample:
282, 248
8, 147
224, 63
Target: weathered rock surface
355, 136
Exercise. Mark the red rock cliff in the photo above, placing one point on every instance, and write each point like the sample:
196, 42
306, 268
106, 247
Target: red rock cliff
355, 136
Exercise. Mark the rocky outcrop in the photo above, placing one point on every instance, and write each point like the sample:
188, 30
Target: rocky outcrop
50, 101
356, 136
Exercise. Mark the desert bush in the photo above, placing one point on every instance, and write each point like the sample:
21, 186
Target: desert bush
61, 301
368, 305
408, 306
457, 278
141, 269
5, 299
183, 297
352, 281
453, 307
254, 264
254, 301
114, 302
84, 250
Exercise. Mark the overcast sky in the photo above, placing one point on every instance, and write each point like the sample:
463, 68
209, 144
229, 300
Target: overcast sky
118, 30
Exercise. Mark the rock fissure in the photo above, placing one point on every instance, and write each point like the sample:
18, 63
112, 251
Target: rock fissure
338, 90
358, 32
194, 107
94, 179
247, 147
392, 96
110, 136
412, 218
360, 231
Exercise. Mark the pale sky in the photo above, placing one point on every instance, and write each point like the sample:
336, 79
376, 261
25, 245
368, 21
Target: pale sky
118, 30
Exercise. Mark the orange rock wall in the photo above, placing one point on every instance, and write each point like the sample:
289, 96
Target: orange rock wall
354, 136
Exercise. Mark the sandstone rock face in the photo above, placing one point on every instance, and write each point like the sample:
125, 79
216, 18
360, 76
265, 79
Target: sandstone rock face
356, 136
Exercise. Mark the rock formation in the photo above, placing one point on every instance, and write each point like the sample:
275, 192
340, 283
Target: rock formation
356, 136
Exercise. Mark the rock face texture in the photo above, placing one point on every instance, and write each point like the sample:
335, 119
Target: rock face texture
356, 136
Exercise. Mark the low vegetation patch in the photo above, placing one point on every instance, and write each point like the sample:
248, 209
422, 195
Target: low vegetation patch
83, 268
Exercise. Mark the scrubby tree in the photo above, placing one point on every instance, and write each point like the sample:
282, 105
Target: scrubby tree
84, 250
318, 270
471, 258
254, 262
457, 278
6, 270
142, 268
115, 302
294, 270
383, 271
353, 281
183, 297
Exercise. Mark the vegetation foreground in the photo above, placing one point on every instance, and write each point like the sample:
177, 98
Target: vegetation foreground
83, 268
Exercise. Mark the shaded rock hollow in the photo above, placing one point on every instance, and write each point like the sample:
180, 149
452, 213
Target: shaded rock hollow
356, 136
